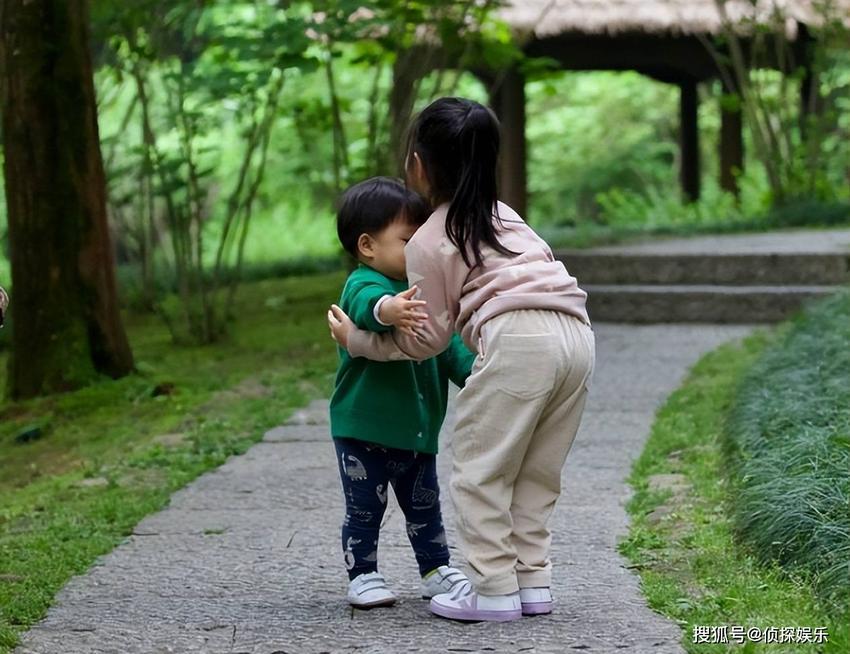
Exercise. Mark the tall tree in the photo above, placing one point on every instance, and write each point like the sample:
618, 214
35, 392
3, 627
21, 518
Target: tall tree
67, 326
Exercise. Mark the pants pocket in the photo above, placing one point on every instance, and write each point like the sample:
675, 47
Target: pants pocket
525, 365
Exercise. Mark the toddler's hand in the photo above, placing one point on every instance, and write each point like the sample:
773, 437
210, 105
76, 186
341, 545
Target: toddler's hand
403, 312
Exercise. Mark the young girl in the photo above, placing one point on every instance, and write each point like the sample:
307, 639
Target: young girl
486, 274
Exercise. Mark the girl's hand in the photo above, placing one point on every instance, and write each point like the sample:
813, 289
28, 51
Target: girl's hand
403, 312
340, 325
4, 302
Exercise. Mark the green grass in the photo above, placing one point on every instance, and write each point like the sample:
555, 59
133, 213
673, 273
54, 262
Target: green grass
102, 464
788, 448
683, 542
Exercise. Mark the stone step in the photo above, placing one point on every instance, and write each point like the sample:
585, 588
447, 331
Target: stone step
593, 267
698, 303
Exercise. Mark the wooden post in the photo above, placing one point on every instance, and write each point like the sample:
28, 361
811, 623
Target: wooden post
810, 103
508, 101
689, 139
731, 142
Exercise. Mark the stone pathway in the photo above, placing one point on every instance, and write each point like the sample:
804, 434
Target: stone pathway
246, 559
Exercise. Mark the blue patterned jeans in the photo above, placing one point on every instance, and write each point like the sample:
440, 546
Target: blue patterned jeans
367, 470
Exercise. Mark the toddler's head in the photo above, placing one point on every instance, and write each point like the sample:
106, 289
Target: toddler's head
375, 221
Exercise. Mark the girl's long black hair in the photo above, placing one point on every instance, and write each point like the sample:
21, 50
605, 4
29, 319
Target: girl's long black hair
457, 141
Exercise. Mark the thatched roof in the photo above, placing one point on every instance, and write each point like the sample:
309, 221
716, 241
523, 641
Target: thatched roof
542, 18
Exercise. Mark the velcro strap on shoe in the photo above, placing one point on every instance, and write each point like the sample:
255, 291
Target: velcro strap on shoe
453, 576
371, 585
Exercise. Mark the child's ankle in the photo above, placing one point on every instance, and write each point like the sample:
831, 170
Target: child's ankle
435, 569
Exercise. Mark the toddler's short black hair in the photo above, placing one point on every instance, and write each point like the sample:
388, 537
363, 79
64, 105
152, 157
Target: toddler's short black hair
370, 206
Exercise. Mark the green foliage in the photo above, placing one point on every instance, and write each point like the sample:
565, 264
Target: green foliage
590, 132
809, 212
115, 451
207, 63
683, 542
193, 92
626, 214
788, 450
602, 146
603, 149
796, 142
394, 48
654, 210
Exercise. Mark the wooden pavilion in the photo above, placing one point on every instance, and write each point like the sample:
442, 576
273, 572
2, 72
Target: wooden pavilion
667, 40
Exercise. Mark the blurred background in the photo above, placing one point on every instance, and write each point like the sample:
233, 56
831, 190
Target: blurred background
168, 241
228, 128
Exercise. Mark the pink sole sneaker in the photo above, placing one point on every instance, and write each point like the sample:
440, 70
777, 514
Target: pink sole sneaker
536, 601
474, 615
536, 608
468, 606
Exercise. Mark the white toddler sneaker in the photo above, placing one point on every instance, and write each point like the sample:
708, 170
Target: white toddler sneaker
442, 580
369, 590
536, 601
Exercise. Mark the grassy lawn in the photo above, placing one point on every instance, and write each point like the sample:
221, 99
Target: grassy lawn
683, 539
110, 454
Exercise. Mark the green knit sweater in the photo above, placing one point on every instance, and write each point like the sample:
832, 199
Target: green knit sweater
399, 404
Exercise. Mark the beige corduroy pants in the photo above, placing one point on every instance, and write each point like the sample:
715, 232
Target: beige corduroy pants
517, 417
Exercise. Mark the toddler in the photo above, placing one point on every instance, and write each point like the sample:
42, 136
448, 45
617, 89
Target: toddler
386, 416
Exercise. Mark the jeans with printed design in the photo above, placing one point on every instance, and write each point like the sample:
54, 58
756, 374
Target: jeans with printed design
367, 470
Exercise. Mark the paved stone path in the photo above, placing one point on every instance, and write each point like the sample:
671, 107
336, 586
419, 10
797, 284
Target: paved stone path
246, 559
797, 241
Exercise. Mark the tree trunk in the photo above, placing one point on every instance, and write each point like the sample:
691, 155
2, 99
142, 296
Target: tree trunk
731, 143
508, 100
689, 173
408, 70
67, 325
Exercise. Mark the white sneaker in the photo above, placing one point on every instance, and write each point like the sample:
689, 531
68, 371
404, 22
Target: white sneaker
442, 580
467, 605
369, 590
535, 601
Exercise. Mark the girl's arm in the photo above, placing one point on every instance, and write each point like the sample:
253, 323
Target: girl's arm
438, 276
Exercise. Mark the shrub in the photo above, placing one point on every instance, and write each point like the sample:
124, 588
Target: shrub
787, 446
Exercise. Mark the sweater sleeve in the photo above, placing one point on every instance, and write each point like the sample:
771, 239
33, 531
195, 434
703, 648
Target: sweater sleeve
360, 306
456, 362
437, 271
